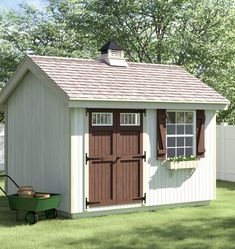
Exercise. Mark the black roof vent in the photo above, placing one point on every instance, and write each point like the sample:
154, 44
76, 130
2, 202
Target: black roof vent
110, 45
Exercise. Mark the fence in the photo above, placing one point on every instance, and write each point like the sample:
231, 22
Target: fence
1, 147
225, 152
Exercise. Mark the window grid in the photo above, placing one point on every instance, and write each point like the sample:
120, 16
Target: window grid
129, 119
179, 123
102, 119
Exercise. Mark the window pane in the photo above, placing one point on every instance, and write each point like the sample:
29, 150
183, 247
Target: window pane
138, 118
102, 119
170, 117
98, 118
188, 117
129, 119
170, 129
171, 152
180, 151
180, 129
188, 129
180, 141
171, 142
189, 151
180, 133
189, 141
121, 118
180, 117
109, 121
93, 119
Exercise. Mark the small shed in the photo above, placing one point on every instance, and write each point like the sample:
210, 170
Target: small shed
100, 132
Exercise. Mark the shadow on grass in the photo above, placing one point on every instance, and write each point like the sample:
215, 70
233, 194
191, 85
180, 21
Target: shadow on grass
225, 184
7, 216
189, 234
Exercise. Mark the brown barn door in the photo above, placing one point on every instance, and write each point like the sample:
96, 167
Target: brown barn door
130, 154
102, 154
115, 157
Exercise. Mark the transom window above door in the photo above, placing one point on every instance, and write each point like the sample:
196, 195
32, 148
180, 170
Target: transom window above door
129, 119
180, 130
102, 118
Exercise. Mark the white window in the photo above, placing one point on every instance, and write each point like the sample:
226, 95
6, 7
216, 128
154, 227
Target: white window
129, 119
180, 129
102, 118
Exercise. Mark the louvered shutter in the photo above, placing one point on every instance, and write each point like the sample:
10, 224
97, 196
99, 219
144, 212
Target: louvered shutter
161, 134
200, 133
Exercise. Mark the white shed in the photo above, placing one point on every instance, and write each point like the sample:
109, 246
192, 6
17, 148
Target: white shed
100, 131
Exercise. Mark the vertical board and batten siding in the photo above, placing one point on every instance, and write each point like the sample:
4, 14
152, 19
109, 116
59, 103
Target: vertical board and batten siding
39, 139
225, 152
167, 186
162, 185
77, 174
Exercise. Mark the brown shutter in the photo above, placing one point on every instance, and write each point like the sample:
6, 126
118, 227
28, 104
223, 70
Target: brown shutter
200, 133
161, 134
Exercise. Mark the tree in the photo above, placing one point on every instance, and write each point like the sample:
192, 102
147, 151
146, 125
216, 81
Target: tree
198, 35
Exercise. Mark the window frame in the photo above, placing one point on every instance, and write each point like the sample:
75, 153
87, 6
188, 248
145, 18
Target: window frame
183, 135
136, 116
101, 125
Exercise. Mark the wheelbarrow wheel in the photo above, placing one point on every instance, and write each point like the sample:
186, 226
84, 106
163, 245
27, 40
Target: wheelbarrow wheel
51, 213
31, 218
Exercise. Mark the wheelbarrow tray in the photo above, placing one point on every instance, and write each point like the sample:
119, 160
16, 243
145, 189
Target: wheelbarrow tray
35, 204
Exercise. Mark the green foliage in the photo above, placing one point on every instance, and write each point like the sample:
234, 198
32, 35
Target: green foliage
198, 35
181, 158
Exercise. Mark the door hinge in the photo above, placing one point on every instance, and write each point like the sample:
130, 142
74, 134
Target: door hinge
141, 198
92, 158
142, 156
91, 202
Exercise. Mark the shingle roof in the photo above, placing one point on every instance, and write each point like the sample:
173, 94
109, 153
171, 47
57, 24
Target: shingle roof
91, 79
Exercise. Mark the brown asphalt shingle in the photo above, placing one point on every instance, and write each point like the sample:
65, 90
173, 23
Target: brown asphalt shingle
91, 79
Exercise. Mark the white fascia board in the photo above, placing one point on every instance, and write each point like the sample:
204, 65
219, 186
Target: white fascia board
91, 103
27, 65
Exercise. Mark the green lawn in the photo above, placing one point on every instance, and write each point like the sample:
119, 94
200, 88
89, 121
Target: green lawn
207, 227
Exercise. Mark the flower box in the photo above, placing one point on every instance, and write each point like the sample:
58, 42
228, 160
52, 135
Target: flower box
182, 164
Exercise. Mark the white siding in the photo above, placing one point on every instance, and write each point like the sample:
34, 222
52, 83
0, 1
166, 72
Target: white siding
167, 186
39, 139
77, 159
225, 152
163, 186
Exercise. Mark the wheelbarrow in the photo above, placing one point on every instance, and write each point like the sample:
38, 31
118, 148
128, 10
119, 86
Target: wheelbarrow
33, 205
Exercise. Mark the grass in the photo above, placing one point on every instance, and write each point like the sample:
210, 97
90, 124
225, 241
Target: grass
208, 227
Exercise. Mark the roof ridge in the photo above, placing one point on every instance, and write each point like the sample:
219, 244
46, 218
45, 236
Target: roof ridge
155, 64
60, 57
93, 60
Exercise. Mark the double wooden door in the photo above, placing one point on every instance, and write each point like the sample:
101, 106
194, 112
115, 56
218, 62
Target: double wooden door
115, 157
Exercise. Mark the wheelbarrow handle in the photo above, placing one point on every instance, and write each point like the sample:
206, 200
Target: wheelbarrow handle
10, 179
4, 191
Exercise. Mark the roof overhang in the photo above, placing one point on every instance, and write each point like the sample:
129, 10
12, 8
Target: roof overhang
143, 104
26, 66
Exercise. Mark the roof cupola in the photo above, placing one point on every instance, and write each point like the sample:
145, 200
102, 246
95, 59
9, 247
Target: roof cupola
113, 54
